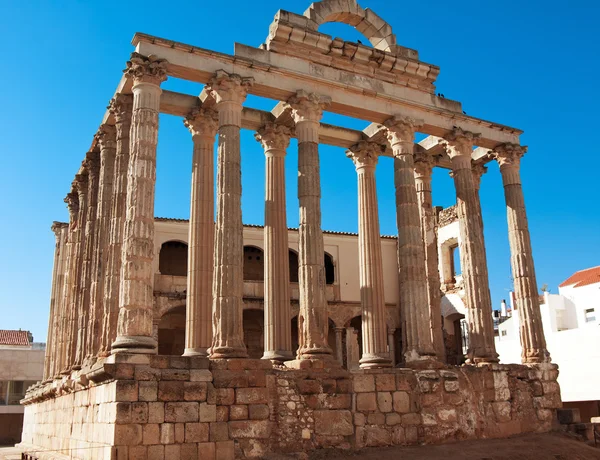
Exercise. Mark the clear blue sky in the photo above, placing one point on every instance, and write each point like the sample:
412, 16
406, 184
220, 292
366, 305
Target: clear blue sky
533, 65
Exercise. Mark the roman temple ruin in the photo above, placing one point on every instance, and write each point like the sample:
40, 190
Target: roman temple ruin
210, 339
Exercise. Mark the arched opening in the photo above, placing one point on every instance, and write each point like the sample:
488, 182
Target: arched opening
293, 256
329, 269
254, 322
172, 259
171, 332
254, 264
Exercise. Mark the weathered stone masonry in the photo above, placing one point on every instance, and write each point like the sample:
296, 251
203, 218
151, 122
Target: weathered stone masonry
107, 394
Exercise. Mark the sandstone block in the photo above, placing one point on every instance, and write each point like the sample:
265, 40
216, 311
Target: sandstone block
550, 387
344, 386
126, 390
189, 450
238, 412
194, 391
151, 433
401, 402
307, 386
200, 375
167, 433
258, 411
170, 391
328, 386
411, 434
208, 412
333, 422
179, 362
251, 429
451, 386
411, 419
175, 374
224, 396
363, 383
144, 373
403, 382
384, 401
156, 452
156, 412
225, 450
139, 412
251, 396
179, 433
148, 390
128, 435
366, 402
449, 415
385, 382
219, 431
398, 435
431, 399
376, 418
257, 378
392, 419
197, 432
377, 436
138, 453
172, 451
206, 451
123, 413
230, 379
359, 419
222, 413
181, 412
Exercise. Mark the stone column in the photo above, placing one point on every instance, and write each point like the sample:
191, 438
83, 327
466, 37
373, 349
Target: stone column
136, 299
459, 146
278, 338
374, 341
313, 326
76, 286
84, 307
392, 345
121, 107
533, 342
108, 146
414, 300
202, 124
229, 90
60, 304
55, 300
339, 344
72, 201
424, 164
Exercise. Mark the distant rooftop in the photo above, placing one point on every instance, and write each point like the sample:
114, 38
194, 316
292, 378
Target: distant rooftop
11, 337
583, 278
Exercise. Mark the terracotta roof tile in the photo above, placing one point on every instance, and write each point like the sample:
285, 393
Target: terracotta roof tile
583, 278
8, 337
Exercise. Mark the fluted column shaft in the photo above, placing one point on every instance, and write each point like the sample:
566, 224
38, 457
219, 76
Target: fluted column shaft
107, 141
84, 307
228, 280
134, 329
423, 170
55, 300
459, 145
392, 345
278, 338
77, 285
121, 106
374, 330
202, 124
533, 342
313, 318
414, 300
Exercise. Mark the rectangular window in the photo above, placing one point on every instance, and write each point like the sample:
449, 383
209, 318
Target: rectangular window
590, 315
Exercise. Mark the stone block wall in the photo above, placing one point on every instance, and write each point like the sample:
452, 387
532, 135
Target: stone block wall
175, 407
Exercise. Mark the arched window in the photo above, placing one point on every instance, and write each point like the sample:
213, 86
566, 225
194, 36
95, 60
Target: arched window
293, 256
329, 269
172, 259
254, 264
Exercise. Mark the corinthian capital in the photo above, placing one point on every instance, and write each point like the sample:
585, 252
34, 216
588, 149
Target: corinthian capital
80, 185
274, 136
401, 129
509, 154
92, 163
459, 142
121, 106
365, 154
107, 136
478, 170
146, 69
202, 122
308, 106
226, 87
424, 163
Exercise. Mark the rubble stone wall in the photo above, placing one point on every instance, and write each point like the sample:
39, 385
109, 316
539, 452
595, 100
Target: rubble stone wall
178, 407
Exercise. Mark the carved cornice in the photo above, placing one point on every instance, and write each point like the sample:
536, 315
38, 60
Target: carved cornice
202, 122
459, 142
144, 69
308, 106
274, 136
509, 154
121, 106
365, 154
226, 87
401, 129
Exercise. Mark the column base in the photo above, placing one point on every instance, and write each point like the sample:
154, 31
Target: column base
200, 351
415, 360
280, 355
315, 353
374, 361
134, 344
228, 352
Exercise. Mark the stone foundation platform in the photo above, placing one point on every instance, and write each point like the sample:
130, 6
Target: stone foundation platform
159, 407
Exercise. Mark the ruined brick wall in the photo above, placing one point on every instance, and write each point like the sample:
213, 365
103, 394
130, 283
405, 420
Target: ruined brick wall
163, 407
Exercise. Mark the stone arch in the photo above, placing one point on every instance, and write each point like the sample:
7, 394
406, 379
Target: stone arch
375, 29
254, 264
173, 258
